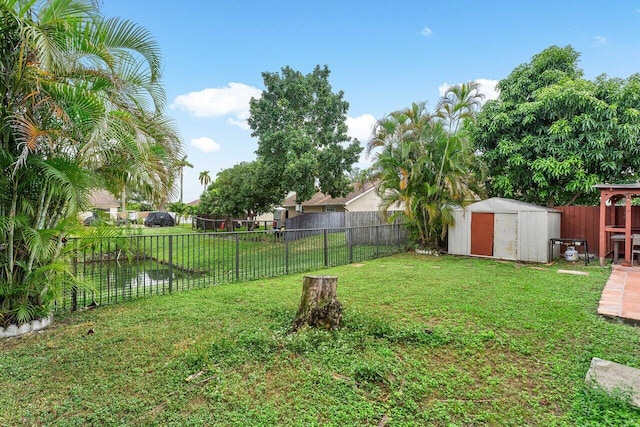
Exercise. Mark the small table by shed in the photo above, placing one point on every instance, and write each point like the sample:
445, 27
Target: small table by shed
569, 242
618, 239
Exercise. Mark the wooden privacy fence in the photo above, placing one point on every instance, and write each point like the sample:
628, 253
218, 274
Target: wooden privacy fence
316, 221
336, 220
362, 226
583, 222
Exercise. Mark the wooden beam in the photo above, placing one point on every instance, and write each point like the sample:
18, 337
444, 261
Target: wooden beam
627, 229
603, 235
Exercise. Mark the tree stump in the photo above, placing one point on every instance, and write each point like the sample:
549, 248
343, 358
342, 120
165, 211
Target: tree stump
319, 306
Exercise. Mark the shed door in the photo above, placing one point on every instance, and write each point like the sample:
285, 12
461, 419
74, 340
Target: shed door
481, 233
506, 236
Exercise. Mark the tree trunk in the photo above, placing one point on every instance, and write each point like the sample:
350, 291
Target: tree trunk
123, 201
181, 183
319, 306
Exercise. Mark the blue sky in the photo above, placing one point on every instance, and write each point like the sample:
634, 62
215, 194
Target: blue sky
384, 55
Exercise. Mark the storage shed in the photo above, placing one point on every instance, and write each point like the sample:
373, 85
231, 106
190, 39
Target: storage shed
505, 229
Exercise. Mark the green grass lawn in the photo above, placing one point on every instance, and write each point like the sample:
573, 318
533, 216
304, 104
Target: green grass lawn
425, 341
178, 229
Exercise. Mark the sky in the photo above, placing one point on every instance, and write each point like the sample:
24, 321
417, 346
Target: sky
383, 55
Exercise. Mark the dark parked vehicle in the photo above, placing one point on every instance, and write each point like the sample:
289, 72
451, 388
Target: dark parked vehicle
159, 219
91, 219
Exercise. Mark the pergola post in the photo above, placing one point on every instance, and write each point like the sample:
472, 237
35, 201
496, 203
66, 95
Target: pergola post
602, 248
627, 229
610, 194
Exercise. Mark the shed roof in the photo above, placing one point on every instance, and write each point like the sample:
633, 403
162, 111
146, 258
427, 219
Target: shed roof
499, 204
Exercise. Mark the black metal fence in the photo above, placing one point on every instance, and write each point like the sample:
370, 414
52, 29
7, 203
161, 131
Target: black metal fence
202, 223
116, 269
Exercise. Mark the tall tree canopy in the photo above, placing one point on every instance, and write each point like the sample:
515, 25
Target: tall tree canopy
426, 163
551, 134
301, 127
238, 192
81, 106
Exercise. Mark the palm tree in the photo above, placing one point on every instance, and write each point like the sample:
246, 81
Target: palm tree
205, 179
181, 165
459, 104
398, 135
119, 164
426, 163
76, 92
180, 209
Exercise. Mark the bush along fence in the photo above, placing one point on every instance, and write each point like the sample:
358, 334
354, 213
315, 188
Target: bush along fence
117, 269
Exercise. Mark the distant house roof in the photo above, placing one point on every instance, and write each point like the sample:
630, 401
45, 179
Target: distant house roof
102, 199
195, 202
321, 199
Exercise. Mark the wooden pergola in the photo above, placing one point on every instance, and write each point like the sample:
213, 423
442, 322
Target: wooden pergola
610, 194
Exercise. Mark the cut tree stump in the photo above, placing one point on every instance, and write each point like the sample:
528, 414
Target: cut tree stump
319, 305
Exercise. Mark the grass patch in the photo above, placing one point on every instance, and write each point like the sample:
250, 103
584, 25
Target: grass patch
425, 341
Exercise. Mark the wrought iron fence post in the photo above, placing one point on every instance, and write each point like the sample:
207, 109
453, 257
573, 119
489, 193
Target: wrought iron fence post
237, 256
74, 289
326, 247
377, 241
350, 243
170, 263
286, 252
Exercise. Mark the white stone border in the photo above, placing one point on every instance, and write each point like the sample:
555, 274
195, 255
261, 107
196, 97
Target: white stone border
426, 252
25, 328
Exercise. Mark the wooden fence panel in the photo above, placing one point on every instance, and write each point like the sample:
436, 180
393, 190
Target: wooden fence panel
364, 219
583, 222
337, 220
315, 220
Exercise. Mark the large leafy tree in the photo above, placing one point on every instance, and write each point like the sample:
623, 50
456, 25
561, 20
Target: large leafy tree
238, 192
552, 134
426, 163
301, 127
81, 101
209, 203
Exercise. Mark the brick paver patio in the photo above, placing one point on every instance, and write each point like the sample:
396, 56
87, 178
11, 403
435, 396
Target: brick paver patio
621, 295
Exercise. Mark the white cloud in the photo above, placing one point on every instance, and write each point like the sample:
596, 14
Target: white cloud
206, 145
426, 31
231, 100
486, 87
361, 127
599, 41
442, 89
240, 120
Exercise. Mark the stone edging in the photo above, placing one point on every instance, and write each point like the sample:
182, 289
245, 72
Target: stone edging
25, 328
426, 252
